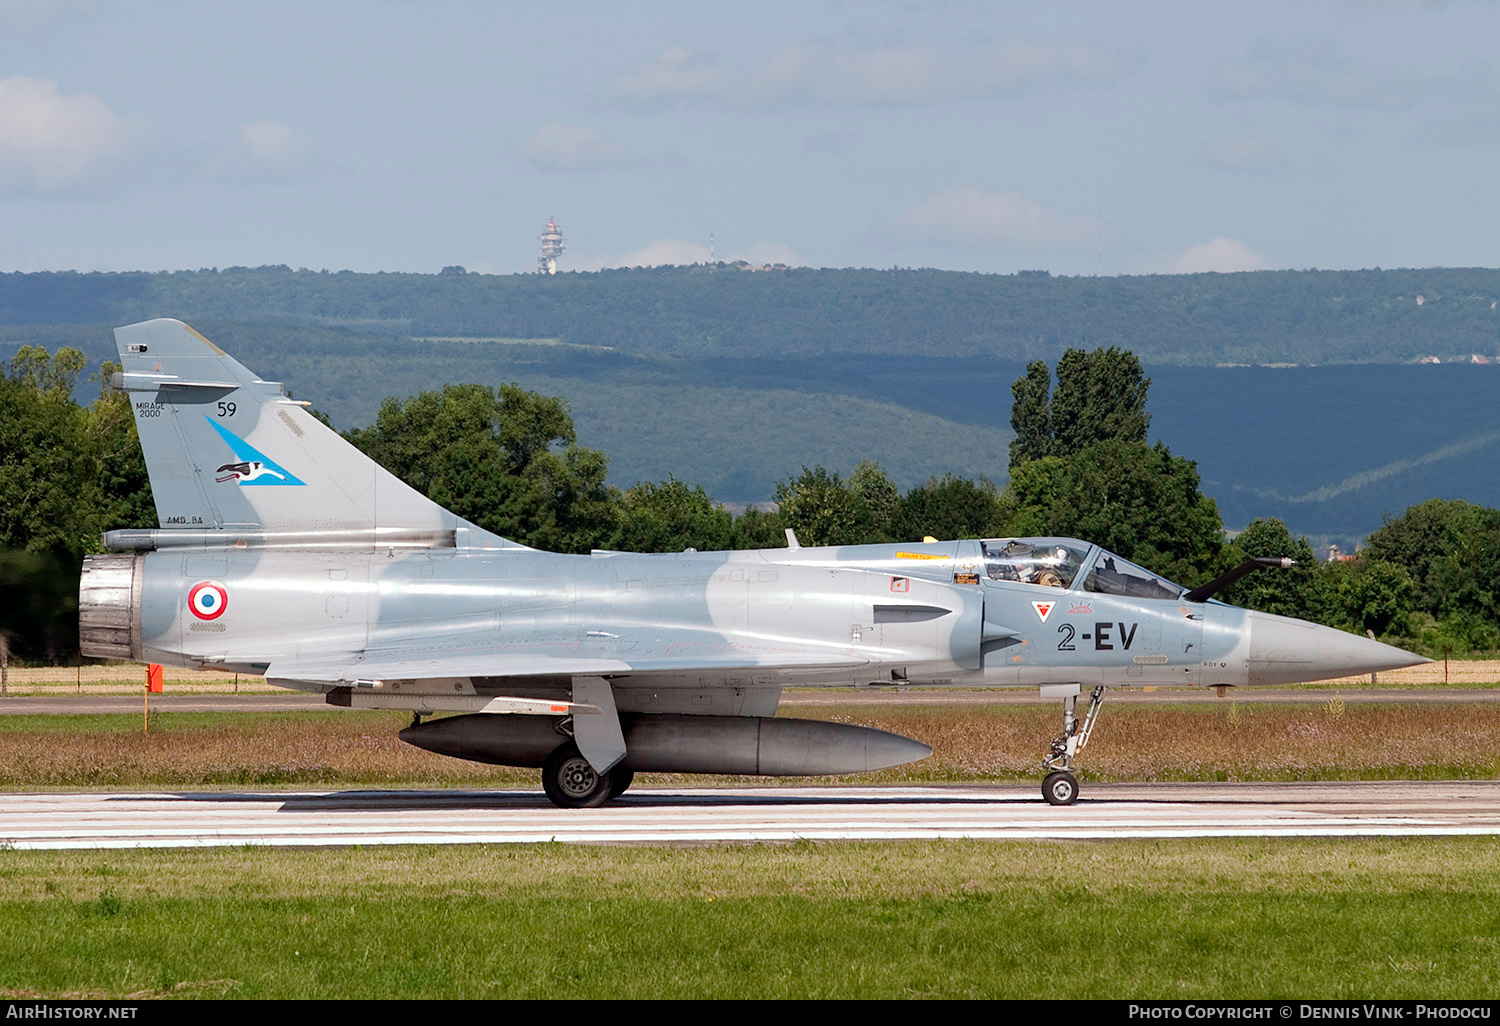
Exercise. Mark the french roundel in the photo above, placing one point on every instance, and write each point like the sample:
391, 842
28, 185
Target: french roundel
208, 600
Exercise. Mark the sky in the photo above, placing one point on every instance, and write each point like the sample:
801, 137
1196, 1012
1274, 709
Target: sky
1076, 137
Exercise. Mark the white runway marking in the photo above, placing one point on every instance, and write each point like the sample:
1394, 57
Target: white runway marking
698, 815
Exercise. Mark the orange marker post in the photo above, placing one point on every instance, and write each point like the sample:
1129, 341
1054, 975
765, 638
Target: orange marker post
153, 686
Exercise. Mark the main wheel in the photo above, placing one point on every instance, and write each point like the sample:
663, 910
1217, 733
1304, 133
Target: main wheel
571, 782
1060, 788
620, 780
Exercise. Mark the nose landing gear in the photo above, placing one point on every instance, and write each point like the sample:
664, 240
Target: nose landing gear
1060, 786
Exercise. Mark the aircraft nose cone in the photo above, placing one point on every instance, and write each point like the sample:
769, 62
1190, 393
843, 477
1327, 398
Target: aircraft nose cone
1286, 651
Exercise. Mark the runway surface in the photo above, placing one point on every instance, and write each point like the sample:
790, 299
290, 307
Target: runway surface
707, 815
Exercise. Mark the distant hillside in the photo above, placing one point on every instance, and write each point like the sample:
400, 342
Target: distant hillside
735, 380
1299, 317
1327, 449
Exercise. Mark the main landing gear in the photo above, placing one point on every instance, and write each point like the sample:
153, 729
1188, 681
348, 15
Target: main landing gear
1060, 786
572, 783
568, 777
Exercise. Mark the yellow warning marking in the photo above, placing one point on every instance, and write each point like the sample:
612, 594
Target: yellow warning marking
205, 341
920, 555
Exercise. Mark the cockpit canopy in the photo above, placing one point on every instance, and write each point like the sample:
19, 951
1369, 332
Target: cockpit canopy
1053, 562
1069, 563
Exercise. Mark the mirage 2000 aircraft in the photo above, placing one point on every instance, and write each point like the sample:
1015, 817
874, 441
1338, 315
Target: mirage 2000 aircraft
284, 551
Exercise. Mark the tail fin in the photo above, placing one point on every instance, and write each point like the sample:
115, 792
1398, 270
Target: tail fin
228, 451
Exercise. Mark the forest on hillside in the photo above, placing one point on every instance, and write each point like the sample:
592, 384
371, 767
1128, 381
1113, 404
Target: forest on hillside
1330, 450
1302, 317
728, 378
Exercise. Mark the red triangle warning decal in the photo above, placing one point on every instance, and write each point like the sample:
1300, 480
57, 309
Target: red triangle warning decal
1043, 609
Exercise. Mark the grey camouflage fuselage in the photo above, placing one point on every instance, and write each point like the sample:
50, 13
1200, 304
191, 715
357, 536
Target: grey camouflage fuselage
284, 551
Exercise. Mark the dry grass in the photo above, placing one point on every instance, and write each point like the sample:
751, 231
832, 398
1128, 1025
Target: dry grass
129, 678
227, 750
1224, 741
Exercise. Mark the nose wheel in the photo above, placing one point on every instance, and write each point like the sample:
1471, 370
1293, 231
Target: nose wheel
1060, 786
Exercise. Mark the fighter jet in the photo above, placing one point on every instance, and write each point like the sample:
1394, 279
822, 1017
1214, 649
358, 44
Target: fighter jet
340, 579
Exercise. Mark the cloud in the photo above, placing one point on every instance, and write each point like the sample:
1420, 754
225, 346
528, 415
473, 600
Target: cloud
882, 76
1241, 153
769, 253
557, 147
1307, 71
964, 216
264, 151
664, 251
677, 72
1217, 254
681, 252
51, 143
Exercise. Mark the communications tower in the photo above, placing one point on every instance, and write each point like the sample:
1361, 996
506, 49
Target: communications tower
552, 248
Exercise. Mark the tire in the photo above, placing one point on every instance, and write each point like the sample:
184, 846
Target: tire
571, 783
1060, 789
620, 779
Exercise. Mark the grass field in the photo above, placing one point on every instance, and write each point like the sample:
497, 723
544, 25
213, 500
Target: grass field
1181, 919
1333, 740
1201, 918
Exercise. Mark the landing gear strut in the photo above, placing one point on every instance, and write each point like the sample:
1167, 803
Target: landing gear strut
1061, 787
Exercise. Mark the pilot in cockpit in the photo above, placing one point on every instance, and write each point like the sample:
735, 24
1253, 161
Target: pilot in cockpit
1021, 562
1048, 568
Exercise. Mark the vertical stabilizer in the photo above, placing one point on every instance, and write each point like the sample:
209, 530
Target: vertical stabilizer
226, 450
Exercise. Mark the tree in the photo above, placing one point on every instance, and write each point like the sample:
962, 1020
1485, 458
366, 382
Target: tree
506, 460
879, 500
818, 506
1301, 591
756, 528
124, 485
1450, 552
1030, 417
953, 507
48, 373
66, 473
1136, 500
1421, 536
49, 472
1100, 397
671, 517
1370, 595
39, 604
1462, 581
